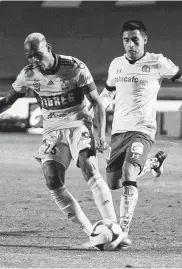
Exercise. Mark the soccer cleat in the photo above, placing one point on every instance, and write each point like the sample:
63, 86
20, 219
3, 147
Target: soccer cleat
125, 243
95, 241
158, 164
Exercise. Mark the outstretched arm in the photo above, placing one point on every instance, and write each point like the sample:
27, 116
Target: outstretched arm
107, 96
9, 99
99, 117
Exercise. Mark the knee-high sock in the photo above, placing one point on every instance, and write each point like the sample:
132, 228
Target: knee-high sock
70, 208
129, 198
102, 197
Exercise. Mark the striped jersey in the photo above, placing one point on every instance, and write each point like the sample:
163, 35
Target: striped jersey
60, 94
136, 87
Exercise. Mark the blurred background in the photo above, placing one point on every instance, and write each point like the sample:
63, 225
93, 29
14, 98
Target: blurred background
90, 31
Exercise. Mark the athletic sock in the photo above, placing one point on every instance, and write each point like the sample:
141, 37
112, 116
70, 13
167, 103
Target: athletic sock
129, 198
102, 197
71, 208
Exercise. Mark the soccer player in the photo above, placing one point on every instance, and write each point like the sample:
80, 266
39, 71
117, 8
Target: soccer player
63, 85
134, 79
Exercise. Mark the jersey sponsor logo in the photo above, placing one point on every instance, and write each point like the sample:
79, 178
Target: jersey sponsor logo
137, 147
126, 79
132, 79
143, 82
56, 115
62, 101
146, 69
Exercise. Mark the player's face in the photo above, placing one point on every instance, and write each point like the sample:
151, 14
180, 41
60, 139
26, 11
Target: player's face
39, 54
134, 42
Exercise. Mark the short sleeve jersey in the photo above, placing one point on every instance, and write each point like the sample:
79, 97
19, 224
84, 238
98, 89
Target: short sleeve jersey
136, 87
61, 94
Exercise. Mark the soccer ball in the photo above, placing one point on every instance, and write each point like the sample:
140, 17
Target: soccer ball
108, 233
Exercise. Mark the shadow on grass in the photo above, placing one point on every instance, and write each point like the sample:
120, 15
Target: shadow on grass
32, 233
71, 248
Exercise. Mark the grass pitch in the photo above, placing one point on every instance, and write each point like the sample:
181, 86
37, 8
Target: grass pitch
35, 234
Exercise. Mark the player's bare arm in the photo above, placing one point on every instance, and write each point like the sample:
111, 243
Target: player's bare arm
107, 97
99, 117
9, 99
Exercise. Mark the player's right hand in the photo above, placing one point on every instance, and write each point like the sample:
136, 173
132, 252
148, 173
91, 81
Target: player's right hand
101, 145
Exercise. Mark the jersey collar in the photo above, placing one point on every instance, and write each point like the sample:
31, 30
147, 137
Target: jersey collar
54, 69
134, 61
57, 62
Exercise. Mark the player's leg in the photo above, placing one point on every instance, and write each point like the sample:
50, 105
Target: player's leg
129, 195
83, 150
115, 160
54, 173
139, 146
54, 164
100, 190
126, 160
114, 172
88, 163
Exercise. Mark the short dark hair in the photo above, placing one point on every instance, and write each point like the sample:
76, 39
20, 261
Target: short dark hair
134, 25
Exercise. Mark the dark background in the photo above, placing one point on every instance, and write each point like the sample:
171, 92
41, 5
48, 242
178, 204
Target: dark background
90, 33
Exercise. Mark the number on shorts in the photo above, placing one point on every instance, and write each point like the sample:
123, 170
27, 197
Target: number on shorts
50, 149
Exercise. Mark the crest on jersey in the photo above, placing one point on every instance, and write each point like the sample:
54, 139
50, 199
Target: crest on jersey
36, 85
146, 68
65, 84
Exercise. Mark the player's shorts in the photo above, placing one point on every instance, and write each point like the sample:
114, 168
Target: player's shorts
132, 147
64, 145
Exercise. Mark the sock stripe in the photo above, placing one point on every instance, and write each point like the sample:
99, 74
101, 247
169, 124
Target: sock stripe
130, 183
93, 179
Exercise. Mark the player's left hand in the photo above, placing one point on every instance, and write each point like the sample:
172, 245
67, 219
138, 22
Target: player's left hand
101, 145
